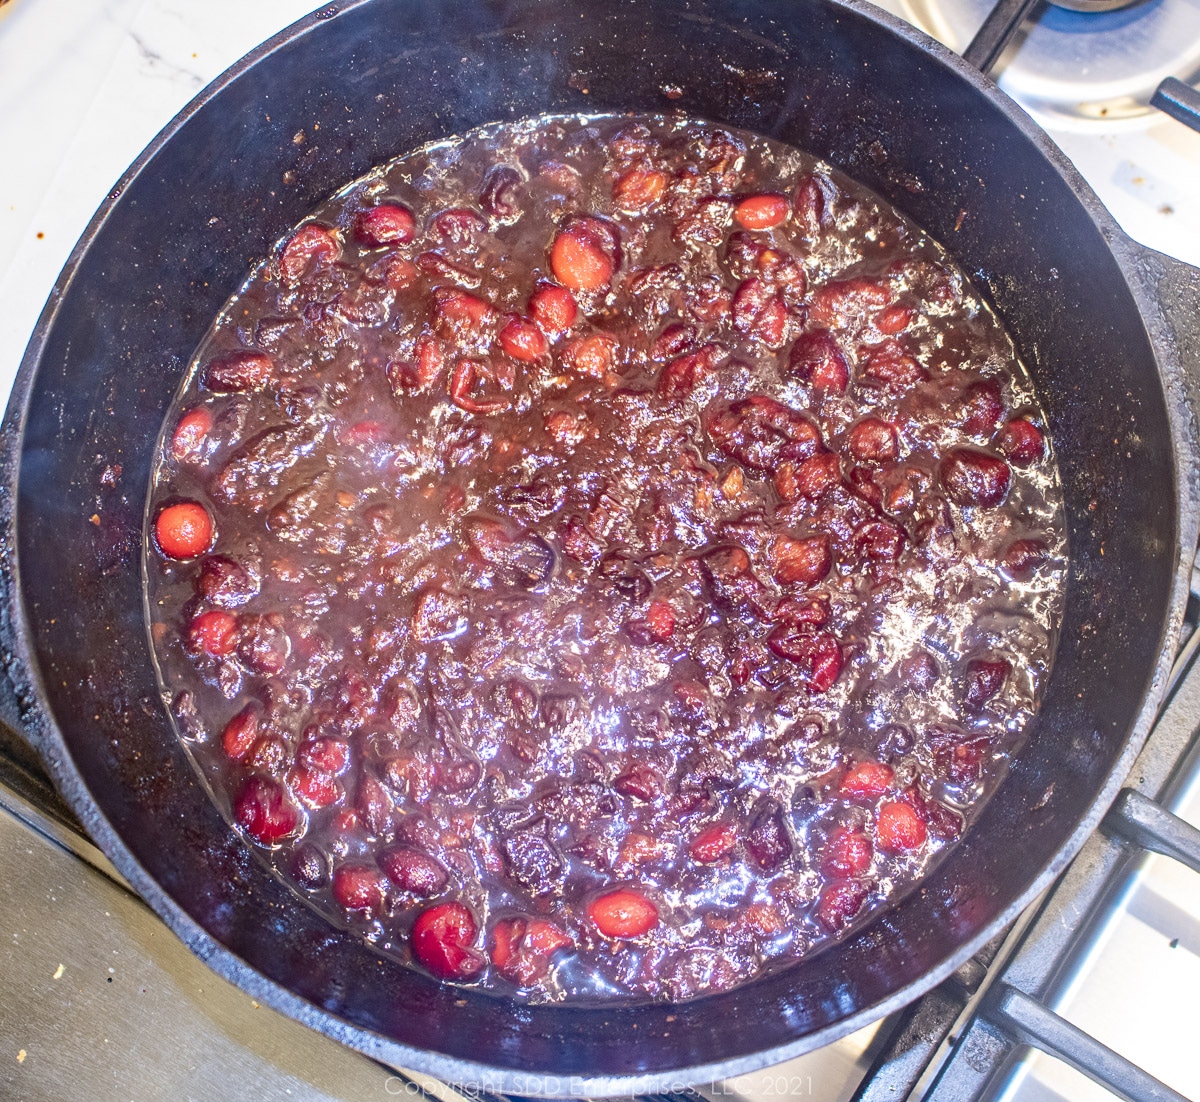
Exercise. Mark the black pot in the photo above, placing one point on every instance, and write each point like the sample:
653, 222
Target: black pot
1104, 325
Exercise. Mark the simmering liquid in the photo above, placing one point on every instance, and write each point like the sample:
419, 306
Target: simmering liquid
604, 557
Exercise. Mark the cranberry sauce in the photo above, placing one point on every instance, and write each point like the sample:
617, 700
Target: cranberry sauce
601, 557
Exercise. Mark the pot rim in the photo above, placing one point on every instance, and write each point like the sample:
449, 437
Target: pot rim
28, 712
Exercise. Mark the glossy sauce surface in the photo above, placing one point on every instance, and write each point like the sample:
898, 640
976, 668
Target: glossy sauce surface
602, 557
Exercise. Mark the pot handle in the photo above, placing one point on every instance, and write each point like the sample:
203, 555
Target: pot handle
1175, 288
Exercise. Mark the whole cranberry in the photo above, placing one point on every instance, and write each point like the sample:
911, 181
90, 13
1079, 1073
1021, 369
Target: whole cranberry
413, 870
975, 478
385, 224
443, 939
623, 913
263, 810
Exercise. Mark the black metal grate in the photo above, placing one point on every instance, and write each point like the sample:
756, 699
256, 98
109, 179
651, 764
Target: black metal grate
956, 1043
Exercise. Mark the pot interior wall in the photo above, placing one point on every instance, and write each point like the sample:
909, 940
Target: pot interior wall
381, 77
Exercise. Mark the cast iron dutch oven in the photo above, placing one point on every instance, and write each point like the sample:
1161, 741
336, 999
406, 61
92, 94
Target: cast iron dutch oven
1105, 327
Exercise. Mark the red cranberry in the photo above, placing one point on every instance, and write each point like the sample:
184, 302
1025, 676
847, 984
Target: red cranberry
713, 843
742, 251
873, 441
413, 870
522, 340
984, 679
623, 913
386, 224
898, 828
263, 811
240, 733
893, 320
214, 633
1022, 558
848, 853
463, 313
326, 754
191, 434
982, 407
842, 298
761, 212
639, 189
311, 246
817, 360
592, 356
443, 939
868, 780
553, 308
269, 754
585, 255
1022, 442
315, 788
839, 902
767, 840
974, 478
800, 561
359, 888
183, 530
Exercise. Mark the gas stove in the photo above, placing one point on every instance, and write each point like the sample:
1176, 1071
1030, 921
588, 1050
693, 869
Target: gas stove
100, 998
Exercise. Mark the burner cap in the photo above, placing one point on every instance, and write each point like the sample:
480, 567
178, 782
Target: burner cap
1091, 66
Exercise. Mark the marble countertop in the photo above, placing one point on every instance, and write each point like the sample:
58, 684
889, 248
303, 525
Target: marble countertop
84, 86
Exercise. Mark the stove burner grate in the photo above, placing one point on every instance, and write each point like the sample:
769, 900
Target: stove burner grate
1081, 62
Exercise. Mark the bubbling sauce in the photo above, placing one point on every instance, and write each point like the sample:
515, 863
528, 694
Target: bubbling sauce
603, 557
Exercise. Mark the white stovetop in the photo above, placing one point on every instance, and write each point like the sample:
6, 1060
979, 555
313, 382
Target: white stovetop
84, 86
